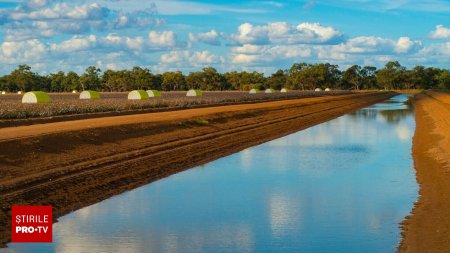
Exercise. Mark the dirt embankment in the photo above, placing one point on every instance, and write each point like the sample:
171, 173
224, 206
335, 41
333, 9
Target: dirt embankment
428, 228
70, 165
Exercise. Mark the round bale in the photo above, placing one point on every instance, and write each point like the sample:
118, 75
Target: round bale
194, 93
34, 97
254, 91
138, 95
153, 93
89, 94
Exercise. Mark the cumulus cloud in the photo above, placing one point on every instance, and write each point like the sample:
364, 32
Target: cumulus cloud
212, 38
285, 33
84, 49
436, 50
162, 39
60, 11
77, 43
156, 41
45, 18
351, 51
185, 57
441, 32
23, 51
376, 45
248, 54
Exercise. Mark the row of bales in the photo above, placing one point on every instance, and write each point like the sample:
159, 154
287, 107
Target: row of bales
33, 97
267, 91
284, 90
42, 97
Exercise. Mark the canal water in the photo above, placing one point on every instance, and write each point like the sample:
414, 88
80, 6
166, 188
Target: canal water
341, 186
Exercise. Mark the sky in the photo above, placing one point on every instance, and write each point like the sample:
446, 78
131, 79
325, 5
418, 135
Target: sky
233, 35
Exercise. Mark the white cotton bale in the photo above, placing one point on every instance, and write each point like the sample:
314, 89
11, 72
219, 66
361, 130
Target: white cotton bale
254, 91
34, 97
89, 94
138, 95
194, 93
153, 93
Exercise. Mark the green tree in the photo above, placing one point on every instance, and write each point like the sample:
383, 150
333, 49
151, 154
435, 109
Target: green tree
173, 81
391, 76
142, 78
90, 80
21, 78
4, 84
56, 81
369, 79
243, 80
443, 79
71, 81
156, 82
352, 78
117, 80
208, 79
277, 80
294, 78
212, 80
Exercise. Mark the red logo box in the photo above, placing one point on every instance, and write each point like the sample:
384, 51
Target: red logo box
31, 224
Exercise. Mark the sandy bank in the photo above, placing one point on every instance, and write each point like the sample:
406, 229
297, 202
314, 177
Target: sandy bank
428, 229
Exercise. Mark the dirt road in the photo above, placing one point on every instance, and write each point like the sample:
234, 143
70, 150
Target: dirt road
73, 164
428, 229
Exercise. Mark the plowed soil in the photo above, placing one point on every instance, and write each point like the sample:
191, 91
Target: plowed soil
73, 164
428, 228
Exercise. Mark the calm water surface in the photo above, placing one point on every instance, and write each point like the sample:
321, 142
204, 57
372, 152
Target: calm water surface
342, 186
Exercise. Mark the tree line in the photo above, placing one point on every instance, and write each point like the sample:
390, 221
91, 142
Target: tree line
301, 76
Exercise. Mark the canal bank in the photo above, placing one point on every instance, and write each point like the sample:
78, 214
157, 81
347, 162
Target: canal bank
428, 229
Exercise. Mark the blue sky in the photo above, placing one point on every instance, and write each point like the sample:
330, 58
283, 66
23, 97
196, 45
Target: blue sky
52, 35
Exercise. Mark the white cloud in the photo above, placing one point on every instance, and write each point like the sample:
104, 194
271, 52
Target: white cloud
156, 41
112, 51
376, 45
244, 58
436, 50
247, 53
185, 58
441, 32
204, 57
22, 52
162, 39
174, 57
40, 18
212, 38
77, 43
61, 11
285, 33
405, 44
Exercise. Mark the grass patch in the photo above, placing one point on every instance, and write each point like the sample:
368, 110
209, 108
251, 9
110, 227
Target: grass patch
201, 122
